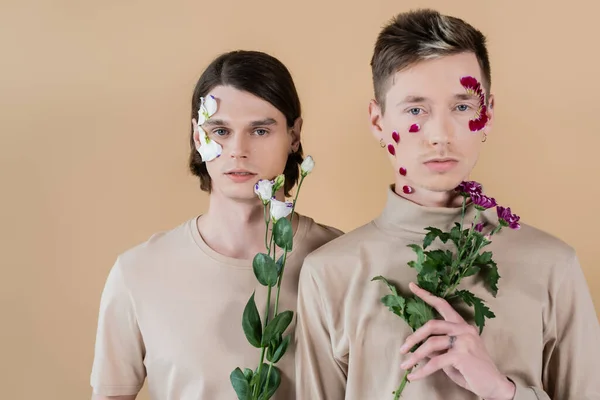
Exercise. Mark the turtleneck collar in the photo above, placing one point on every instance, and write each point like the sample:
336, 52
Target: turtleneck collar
402, 216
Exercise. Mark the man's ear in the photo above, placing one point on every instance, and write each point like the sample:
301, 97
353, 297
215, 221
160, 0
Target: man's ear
375, 119
196, 133
490, 112
296, 134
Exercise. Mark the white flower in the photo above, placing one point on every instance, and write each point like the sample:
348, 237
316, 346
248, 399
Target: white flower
207, 108
208, 149
307, 165
264, 190
280, 209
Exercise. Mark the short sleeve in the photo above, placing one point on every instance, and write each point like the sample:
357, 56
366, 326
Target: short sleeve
118, 367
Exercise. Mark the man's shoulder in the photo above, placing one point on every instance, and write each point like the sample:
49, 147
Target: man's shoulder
344, 246
158, 246
533, 240
320, 231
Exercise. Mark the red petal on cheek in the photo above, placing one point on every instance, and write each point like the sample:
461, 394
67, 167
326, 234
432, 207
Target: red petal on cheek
396, 137
402, 171
414, 128
407, 189
391, 149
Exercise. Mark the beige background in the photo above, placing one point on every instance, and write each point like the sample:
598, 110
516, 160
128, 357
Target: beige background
94, 101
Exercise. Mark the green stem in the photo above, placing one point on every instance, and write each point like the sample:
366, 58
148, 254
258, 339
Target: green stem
279, 283
453, 287
266, 215
268, 375
296, 197
263, 348
462, 215
403, 383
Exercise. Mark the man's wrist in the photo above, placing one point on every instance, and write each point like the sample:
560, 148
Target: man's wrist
506, 391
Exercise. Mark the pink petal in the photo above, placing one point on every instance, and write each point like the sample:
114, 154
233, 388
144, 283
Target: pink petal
414, 128
392, 149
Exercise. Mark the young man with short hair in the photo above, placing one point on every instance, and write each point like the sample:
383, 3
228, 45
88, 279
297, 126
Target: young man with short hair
432, 113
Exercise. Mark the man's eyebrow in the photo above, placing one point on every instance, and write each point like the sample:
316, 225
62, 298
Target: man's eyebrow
215, 122
263, 122
413, 99
466, 96
260, 122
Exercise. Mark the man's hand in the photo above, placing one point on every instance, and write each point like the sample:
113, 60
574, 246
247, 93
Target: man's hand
455, 347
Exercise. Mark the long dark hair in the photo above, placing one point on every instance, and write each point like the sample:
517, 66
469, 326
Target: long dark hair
262, 75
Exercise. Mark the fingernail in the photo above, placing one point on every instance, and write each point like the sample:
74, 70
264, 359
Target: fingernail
403, 348
404, 365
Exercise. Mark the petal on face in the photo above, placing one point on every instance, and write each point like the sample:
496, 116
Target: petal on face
210, 104
201, 118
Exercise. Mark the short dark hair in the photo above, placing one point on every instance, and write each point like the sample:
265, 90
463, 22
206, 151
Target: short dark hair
262, 75
419, 35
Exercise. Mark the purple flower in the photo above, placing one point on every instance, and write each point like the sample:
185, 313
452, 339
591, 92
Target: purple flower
469, 187
507, 218
479, 227
482, 201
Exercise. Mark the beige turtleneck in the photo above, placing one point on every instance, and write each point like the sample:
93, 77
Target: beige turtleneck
545, 337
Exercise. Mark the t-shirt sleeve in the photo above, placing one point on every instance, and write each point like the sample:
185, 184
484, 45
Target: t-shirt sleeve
572, 349
118, 367
319, 375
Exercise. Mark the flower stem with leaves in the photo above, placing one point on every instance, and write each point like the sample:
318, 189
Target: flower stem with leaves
441, 271
262, 382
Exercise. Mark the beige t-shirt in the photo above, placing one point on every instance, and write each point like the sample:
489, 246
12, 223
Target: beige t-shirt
545, 337
171, 312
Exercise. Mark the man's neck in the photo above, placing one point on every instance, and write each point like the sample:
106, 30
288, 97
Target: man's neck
428, 198
234, 228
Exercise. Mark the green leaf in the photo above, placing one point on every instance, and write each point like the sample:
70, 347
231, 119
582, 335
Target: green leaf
277, 326
265, 270
273, 344
481, 310
491, 277
280, 350
456, 235
484, 258
432, 234
240, 384
274, 382
440, 257
430, 286
395, 303
248, 374
418, 312
283, 234
420, 254
251, 323
279, 264
472, 270
390, 285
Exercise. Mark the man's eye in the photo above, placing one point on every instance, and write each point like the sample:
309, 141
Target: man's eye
261, 132
415, 111
462, 107
220, 132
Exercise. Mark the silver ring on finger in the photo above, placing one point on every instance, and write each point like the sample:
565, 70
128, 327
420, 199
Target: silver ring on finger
451, 340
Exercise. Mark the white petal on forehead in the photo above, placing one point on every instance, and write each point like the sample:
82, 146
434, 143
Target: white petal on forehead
211, 105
